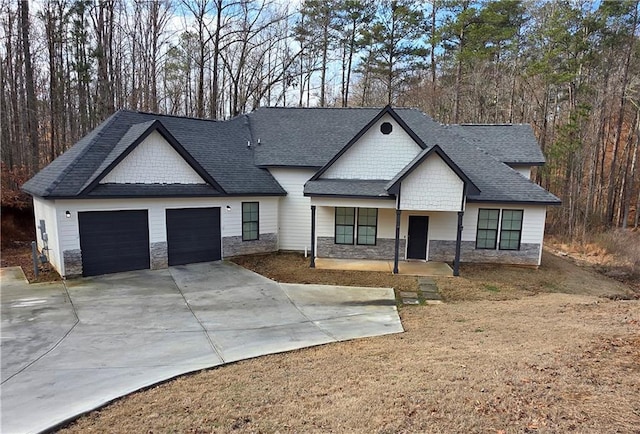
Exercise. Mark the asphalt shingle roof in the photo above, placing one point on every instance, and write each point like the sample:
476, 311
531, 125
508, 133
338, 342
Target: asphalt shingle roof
293, 137
219, 147
509, 143
347, 188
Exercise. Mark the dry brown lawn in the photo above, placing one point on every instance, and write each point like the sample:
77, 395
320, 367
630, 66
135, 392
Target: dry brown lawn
514, 350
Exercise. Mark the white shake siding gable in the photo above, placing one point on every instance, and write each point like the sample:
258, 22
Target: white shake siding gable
153, 161
375, 155
432, 186
294, 209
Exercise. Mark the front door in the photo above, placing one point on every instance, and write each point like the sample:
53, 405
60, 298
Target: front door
417, 242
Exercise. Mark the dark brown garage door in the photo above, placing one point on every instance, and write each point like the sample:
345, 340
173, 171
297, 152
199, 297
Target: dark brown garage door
193, 235
113, 241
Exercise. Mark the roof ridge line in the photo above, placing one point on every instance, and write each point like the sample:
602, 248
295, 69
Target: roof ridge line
171, 116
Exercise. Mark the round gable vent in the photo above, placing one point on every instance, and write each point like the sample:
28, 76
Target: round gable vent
386, 128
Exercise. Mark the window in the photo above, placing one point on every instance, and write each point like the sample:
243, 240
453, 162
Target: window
249, 221
386, 128
487, 228
345, 220
510, 229
367, 224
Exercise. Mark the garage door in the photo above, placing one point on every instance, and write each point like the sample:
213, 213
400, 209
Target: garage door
113, 241
193, 235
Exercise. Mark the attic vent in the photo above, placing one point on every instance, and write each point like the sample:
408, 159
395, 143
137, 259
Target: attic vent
386, 128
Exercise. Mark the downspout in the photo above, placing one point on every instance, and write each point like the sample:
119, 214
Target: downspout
313, 237
397, 245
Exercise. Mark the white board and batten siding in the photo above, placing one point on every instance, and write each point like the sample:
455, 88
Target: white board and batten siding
46, 210
533, 221
231, 221
294, 209
153, 161
325, 214
375, 155
432, 186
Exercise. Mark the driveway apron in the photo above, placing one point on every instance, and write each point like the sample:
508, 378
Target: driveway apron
66, 351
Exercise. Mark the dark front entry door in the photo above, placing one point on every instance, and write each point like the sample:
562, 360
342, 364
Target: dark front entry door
417, 243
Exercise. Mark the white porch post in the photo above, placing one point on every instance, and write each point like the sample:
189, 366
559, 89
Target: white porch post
397, 245
313, 237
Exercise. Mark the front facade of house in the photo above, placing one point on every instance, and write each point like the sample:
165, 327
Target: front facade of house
152, 191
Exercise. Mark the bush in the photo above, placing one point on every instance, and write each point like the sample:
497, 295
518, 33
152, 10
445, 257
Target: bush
623, 243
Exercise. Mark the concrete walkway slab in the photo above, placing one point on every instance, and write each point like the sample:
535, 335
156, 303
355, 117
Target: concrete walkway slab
68, 350
407, 268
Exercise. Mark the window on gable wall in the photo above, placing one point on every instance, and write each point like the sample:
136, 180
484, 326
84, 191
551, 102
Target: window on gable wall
250, 212
510, 229
345, 221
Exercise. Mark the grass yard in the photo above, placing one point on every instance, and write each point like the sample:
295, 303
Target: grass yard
513, 350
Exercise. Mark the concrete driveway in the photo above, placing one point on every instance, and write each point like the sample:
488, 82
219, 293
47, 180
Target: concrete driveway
68, 350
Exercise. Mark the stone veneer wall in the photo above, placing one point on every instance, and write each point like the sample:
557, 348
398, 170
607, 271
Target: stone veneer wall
384, 249
159, 255
445, 251
234, 246
72, 263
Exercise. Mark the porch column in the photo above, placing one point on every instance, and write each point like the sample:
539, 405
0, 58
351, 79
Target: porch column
397, 245
313, 237
456, 261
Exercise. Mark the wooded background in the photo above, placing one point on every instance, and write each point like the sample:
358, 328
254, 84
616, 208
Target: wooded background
569, 68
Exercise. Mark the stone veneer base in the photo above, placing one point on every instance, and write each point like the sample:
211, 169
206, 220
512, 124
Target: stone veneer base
444, 251
234, 246
159, 255
72, 263
384, 249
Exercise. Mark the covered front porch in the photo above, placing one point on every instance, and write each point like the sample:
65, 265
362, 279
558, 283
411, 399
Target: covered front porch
407, 268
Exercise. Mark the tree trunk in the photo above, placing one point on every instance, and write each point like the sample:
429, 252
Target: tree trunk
32, 113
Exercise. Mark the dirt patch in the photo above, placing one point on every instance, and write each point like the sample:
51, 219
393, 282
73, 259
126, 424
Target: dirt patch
294, 268
548, 363
20, 256
615, 254
556, 274
17, 232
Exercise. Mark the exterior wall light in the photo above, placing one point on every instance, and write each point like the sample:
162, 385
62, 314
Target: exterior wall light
67, 214
228, 208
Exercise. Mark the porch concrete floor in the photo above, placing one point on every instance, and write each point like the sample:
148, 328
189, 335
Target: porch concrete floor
407, 268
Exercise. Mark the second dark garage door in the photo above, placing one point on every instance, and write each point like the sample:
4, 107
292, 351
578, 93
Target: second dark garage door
113, 241
193, 235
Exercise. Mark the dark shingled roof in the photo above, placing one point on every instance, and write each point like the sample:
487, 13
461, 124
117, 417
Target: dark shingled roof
219, 147
347, 188
305, 137
510, 143
290, 137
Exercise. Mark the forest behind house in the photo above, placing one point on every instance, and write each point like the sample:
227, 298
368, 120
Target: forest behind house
571, 69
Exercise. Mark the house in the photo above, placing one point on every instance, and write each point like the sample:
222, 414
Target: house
149, 191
